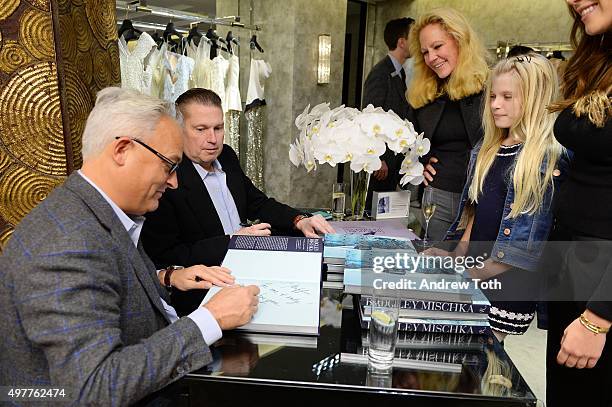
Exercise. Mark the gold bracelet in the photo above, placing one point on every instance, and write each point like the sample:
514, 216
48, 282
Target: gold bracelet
596, 329
501, 380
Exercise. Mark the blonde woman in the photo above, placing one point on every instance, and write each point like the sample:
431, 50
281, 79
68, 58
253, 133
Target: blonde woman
445, 96
513, 172
579, 361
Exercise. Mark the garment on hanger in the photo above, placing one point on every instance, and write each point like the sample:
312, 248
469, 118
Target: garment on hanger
255, 115
232, 130
220, 66
232, 90
255, 145
177, 75
132, 63
155, 68
203, 68
234, 104
260, 71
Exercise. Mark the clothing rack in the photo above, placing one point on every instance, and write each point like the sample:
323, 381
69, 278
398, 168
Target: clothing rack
182, 17
151, 26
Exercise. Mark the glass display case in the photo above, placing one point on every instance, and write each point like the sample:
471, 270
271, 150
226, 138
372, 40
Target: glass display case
432, 369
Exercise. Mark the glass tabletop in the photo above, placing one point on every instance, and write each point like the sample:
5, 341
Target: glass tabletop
468, 367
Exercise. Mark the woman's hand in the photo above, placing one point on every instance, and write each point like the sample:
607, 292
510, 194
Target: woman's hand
429, 171
381, 174
434, 251
581, 348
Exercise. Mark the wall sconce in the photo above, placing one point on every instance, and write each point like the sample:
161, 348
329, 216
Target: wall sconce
324, 66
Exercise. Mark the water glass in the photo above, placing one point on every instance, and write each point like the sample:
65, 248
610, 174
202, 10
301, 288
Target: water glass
383, 332
379, 379
338, 200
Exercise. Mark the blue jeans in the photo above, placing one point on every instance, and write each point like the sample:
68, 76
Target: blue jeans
447, 205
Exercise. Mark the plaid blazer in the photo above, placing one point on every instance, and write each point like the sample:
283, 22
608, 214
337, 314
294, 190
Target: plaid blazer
81, 306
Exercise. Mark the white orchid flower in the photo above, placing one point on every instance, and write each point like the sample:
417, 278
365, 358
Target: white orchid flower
409, 161
345, 134
421, 145
319, 110
296, 153
413, 174
402, 138
393, 116
348, 113
371, 109
410, 126
380, 124
369, 146
337, 110
329, 153
309, 159
365, 163
340, 131
313, 130
303, 119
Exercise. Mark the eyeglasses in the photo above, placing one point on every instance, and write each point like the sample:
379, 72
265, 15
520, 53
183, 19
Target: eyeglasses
173, 165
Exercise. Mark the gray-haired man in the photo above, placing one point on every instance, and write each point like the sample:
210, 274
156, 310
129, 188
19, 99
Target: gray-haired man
82, 308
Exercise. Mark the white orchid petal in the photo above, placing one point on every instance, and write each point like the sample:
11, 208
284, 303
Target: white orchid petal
295, 155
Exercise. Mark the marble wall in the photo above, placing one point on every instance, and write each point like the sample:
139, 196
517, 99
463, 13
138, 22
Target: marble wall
289, 36
314, 17
524, 21
372, 48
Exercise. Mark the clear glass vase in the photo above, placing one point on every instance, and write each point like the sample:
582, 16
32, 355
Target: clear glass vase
359, 191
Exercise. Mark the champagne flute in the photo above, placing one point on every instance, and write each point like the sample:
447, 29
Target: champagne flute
429, 208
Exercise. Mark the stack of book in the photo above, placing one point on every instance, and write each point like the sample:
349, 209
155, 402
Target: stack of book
436, 351
426, 351
435, 316
336, 247
433, 341
433, 297
333, 258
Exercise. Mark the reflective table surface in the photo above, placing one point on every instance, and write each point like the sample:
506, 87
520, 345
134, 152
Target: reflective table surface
431, 369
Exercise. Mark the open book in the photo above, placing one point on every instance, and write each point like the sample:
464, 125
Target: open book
287, 271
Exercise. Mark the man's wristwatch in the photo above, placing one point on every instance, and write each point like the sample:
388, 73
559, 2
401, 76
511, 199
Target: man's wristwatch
298, 218
168, 272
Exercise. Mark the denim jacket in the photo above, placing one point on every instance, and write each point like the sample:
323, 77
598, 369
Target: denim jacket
520, 240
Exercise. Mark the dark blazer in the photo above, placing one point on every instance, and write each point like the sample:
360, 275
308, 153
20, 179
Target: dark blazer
384, 89
426, 118
81, 306
186, 230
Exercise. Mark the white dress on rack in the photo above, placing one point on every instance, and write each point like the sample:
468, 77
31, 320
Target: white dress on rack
155, 68
255, 116
203, 69
233, 104
232, 90
133, 73
260, 71
177, 75
218, 78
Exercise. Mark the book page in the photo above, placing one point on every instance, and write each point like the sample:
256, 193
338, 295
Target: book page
287, 271
274, 265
